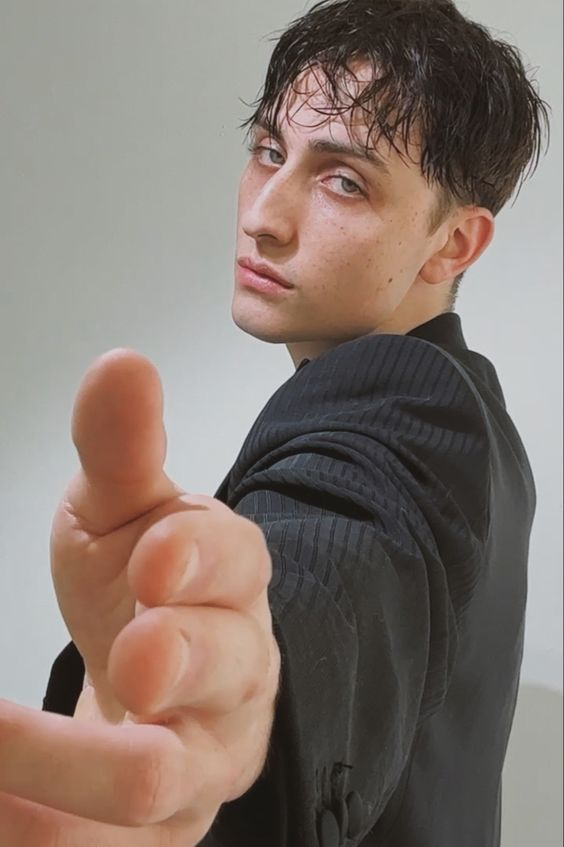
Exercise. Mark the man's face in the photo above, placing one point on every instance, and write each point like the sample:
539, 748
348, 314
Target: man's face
350, 235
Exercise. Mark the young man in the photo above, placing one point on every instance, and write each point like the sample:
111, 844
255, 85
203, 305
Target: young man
386, 477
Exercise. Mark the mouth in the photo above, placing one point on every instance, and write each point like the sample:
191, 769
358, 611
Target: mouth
252, 281
264, 272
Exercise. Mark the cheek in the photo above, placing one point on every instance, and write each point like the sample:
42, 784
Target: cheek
372, 254
391, 252
346, 237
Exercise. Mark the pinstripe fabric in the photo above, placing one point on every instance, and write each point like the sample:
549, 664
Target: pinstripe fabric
397, 501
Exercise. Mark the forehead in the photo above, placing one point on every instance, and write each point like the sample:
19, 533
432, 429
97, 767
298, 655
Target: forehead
311, 104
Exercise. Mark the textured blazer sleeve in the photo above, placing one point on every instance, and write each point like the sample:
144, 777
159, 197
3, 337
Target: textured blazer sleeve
368, 473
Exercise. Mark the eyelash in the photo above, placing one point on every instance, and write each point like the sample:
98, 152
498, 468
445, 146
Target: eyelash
254, 148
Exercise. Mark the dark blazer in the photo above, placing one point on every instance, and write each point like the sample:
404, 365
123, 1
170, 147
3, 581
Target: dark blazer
397, 501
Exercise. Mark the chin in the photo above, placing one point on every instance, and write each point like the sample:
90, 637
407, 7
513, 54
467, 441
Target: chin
258, 328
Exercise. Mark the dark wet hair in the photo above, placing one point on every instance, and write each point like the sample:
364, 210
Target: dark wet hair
478, 116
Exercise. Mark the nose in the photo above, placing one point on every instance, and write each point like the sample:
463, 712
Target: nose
271, 213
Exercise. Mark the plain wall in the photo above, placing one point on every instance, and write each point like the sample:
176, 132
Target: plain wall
120, 156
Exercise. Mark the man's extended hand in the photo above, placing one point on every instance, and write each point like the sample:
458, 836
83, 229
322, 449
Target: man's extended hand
182, 666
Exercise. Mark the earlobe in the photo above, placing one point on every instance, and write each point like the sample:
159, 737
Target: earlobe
470, 238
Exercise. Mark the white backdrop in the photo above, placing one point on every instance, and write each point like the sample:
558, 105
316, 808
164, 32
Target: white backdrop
120, 156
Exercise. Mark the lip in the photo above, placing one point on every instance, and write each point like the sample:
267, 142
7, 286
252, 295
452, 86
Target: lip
265, 271
246, 278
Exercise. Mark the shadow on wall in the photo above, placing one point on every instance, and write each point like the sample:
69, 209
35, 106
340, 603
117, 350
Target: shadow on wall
532, 778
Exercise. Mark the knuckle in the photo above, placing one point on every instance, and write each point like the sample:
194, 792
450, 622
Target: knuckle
254, 690
140, 790
251, 689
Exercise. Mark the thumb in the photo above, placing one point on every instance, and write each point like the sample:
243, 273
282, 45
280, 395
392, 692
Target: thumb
118, 431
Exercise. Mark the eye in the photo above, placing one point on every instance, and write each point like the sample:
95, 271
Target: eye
255, 148
357, 191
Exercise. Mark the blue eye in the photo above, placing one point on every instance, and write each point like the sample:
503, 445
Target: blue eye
255, 148
344, 179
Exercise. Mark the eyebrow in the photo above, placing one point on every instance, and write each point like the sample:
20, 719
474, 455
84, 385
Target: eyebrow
336, 148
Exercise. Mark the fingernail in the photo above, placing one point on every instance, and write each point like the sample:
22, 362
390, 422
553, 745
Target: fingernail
190, 569
183, 663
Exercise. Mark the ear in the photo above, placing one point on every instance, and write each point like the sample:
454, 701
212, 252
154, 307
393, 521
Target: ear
469, 234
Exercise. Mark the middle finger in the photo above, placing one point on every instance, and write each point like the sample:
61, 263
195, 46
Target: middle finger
201, 657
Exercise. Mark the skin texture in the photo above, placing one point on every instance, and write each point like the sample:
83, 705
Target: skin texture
361, 258
182, 676
177, 715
